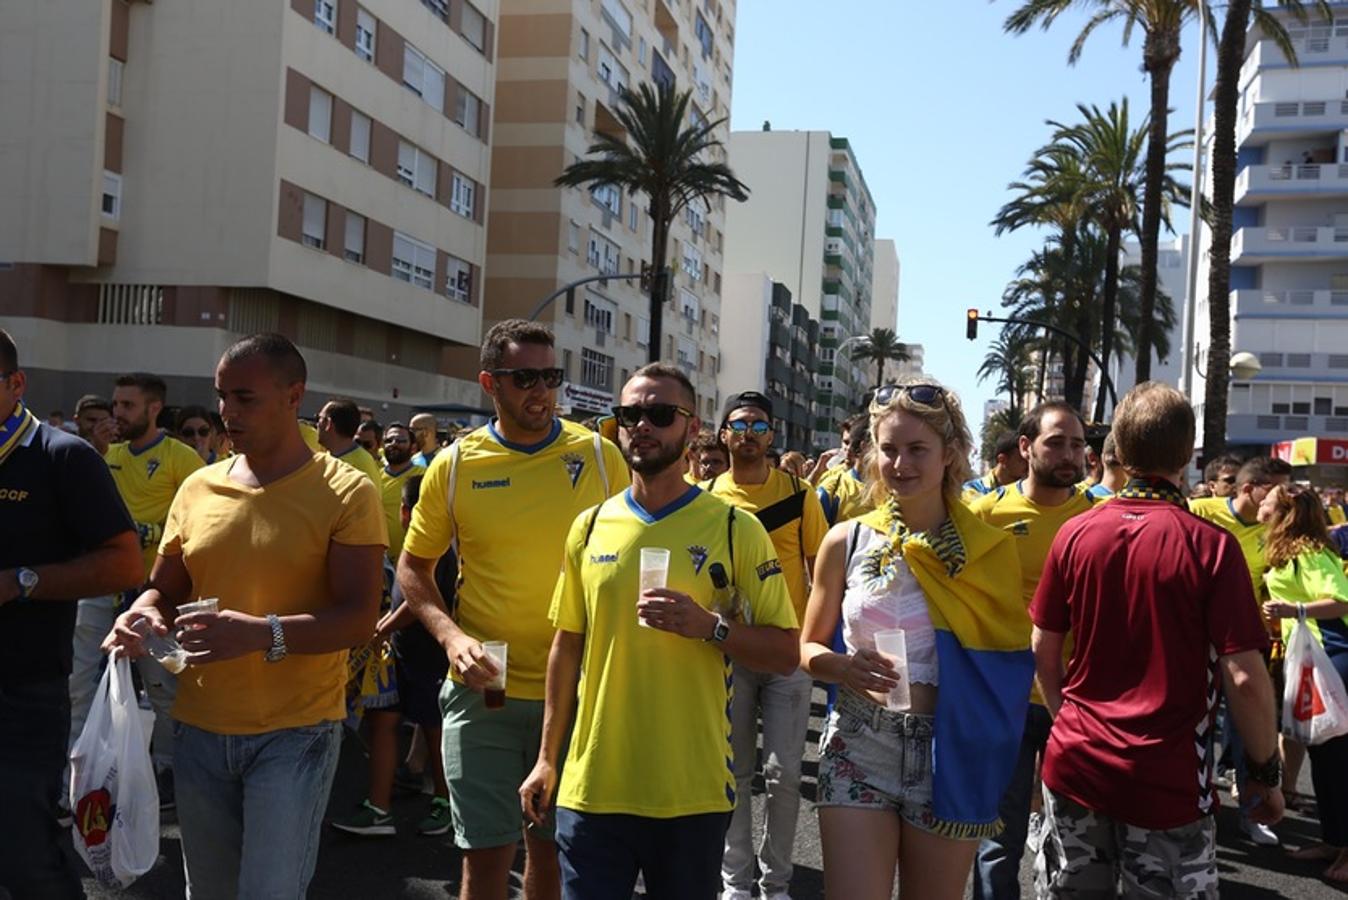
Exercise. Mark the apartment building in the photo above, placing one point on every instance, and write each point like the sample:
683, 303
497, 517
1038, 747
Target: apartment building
809, 223
885, 297
175, 175
563, 64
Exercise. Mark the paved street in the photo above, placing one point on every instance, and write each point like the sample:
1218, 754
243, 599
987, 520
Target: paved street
424, 868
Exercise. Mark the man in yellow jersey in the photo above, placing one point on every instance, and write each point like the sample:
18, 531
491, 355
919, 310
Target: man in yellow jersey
1221, 475
1008, 466
504, 496
370, 436
149, 466
290, 543
338, 421
1052, 441
842, 491
648, 785
790, 512
399, 467
1331, 496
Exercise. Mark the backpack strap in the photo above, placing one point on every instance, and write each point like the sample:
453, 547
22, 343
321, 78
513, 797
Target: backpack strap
603, 470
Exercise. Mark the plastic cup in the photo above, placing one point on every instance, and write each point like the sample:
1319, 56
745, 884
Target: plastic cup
654, 573
164, 650
892, 645
209, 604
494, 693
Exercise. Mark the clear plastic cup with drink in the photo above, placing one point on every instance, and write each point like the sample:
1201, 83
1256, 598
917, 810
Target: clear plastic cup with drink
654, 574
892, 645
207, 604
494, 694
163, 649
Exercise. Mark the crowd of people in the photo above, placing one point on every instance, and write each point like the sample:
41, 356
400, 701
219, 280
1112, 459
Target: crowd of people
1036, 658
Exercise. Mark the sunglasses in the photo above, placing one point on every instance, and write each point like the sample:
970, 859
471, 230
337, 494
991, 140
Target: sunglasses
660, 415
524, 379
758, 427
1227, 479
203, 432
925, 394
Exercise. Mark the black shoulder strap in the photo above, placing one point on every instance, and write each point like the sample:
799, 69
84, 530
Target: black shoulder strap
782, 512
730, 540
800, 523
853, 537
589, 526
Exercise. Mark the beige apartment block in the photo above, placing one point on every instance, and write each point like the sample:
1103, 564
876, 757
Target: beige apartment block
176, 174
885, 305
562, 65
809, 224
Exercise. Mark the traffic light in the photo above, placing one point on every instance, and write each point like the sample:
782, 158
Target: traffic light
647, 278
971, 327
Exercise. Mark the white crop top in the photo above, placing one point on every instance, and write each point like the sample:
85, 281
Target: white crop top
874, 601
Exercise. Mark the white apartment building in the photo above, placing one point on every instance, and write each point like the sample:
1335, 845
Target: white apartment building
1289, 250
175, 175
809, 224
1172, 267
562, 66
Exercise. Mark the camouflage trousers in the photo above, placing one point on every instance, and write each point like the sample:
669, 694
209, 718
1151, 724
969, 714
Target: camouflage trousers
1085, 854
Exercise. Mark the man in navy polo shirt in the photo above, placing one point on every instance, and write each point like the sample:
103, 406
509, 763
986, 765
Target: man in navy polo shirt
64, 534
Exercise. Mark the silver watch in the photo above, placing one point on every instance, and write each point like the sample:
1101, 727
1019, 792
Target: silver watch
278, 639
27, 579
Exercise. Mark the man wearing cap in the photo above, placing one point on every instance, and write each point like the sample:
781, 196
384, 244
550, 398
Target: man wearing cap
790, 511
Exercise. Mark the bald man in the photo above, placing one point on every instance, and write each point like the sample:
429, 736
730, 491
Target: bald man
423, 427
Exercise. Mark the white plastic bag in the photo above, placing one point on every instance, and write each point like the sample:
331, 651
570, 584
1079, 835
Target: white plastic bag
114, 799
1315, 703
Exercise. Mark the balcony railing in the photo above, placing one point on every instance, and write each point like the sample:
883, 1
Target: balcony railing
1301, 115
1295, 240
1289, 178
1271, 301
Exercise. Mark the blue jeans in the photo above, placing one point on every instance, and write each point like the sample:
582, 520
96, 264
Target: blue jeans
997, 868
601, 854
34, 723
250, 807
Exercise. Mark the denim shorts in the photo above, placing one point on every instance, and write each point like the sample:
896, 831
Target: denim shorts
873, 758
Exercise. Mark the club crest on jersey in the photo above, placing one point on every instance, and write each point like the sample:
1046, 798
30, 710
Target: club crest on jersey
1021, 528
575, 464
151, 466
699, 558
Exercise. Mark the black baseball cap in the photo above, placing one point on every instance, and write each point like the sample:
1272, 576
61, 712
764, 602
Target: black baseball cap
746, 400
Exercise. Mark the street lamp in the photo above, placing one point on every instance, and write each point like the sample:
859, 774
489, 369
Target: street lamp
1242, 366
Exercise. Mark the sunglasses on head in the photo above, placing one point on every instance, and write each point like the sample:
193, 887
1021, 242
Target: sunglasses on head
524, 379
661, 415
202, 432
925, 394
740, 426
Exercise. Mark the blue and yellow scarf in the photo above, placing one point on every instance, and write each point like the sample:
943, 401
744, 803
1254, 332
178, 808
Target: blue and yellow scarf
15, 430
970, 574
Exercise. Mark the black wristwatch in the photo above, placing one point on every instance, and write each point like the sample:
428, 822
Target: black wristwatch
1269, 774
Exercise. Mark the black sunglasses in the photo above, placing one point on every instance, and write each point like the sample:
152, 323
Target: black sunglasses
202, 432
527, 378
661, 415
926, 394
740, 427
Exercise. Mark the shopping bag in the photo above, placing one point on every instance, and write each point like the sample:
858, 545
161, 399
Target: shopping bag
1315, 702
114, 799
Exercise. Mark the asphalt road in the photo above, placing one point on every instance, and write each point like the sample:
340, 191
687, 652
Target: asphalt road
409, 866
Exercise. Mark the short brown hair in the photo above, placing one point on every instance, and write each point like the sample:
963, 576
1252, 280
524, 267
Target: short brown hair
1262, 470
1299, 524
149, 384
673, 373
1154, 429
708, 440
507, 332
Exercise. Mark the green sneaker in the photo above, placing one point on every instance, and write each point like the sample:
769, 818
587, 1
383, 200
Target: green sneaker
438, 821
368, 821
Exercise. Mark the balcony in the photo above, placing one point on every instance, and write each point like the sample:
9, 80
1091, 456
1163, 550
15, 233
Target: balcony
780, 334
1316, 49
1262, 183
1293, 304
1247, 428
778, 371
1306, 243
1264, 122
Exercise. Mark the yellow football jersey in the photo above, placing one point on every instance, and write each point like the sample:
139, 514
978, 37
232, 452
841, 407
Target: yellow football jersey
842, 494
391, 490
148, 480
1250, 535
512, 507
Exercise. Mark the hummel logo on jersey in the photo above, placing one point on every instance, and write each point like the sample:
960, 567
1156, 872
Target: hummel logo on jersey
699, 558
151, 466
575, 464
600, 558
492, 483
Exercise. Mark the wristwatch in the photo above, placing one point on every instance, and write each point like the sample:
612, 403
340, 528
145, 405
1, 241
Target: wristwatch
721, 631
27, 579
1269, 774
278, 639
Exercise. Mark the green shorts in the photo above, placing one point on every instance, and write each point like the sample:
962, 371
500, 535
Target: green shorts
488, 753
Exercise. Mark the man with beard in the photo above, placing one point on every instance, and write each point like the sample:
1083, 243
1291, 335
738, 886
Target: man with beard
1052, 442
791, 513
504, 497
399, 467
149, 466
647, 786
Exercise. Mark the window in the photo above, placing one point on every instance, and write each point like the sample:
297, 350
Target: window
315, 221
320, 114
114, 82
643, 331
632, 213
618, 16
325, 15
584, 44
608, 197
461, 200
467, 108
416, 168
566, 364
610, 71
641, 50
423, 77
112, 196
439, 7
596, 369
689, 304
704, 36
365, 35
692, 261
573, 237
354, 247
599, 314
661, 73
360, 136
603, 254
413, 261
459, 280
580, 108
473, 27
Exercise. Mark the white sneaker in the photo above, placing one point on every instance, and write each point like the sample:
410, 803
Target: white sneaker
1259, 833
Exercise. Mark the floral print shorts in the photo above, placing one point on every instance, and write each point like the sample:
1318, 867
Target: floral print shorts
873, 758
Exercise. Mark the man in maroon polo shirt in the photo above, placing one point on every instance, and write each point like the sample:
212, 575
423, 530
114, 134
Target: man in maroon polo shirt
1161, 611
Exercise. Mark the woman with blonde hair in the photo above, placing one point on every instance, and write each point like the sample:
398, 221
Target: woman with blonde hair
1306, 581
916, 788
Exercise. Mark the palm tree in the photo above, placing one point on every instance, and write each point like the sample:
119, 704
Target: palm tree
881, 345
1230, 58
657, 154
1007, 361
1161, 22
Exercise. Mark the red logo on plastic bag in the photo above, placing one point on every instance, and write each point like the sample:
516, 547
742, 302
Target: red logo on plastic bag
1309, 702
93, 816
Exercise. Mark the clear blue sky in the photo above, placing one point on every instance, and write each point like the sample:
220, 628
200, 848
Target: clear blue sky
942, 109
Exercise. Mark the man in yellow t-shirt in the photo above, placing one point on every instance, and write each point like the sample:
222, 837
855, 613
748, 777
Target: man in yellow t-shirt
504, 496
648, 783
1008, 466
1052, 441
790, 512
290, 543
397, 470
843, 491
